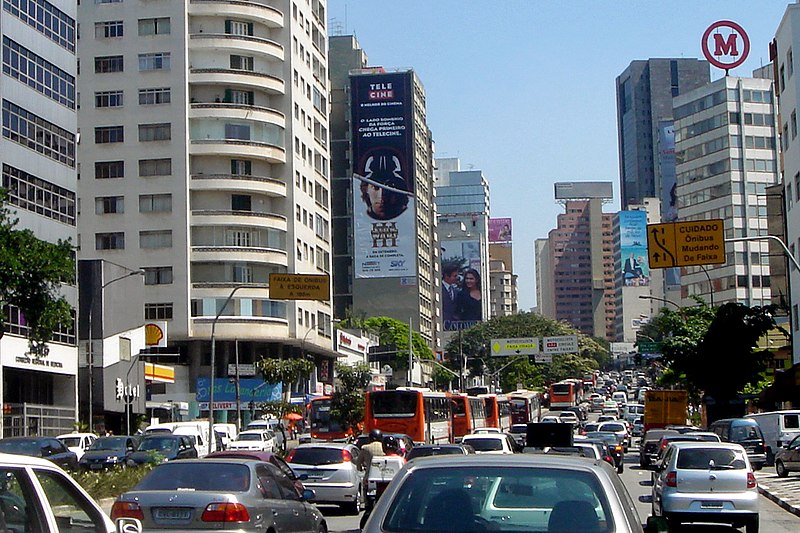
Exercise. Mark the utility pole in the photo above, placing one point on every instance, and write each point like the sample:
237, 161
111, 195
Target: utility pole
410, 357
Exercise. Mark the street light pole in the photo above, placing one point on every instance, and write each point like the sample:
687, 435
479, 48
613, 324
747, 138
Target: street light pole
128, 394
213, 363
90, 361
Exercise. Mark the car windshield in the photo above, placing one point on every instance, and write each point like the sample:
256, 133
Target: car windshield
24, 447
519, 429
612, 427
427, 452
249, 436
159, 444
70, 441
316, 456
739, 433
511, 499
109, 443
710, 458
485, 445
206, 476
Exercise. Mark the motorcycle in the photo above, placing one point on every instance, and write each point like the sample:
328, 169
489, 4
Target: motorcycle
381, 472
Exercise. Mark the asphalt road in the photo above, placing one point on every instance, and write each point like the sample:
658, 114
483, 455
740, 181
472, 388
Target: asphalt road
637, 481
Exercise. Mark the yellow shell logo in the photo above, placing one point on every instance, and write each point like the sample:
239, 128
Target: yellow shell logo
152, 334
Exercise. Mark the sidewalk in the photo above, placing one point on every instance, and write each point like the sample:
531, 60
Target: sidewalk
783, 491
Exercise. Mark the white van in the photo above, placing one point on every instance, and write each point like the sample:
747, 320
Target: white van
779, 428
227, 432
621, 397
633, 411
271, 424
196, 429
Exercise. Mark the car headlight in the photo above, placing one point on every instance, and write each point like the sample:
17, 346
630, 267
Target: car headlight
112, 459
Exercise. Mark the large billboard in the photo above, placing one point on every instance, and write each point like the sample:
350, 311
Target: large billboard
669, 185
462, 293
633, 248
499, 230
580, 190
384, 213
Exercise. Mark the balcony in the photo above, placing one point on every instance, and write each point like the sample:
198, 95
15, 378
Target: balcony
238, 148
253, 10
237, 78
238, 111
219, 217
241, 254
237, 183
237, 43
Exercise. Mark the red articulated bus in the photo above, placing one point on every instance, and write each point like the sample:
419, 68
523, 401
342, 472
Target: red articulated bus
498, 411
469, 414
424, 415
566, 393
525, 406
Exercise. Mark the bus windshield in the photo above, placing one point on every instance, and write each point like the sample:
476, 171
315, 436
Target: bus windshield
398, 404
562, 388
321, 417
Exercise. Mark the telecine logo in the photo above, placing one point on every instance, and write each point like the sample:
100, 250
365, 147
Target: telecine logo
380, 91
725, 44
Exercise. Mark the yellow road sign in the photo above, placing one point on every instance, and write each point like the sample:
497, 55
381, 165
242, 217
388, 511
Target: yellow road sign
696, 242
299, 286
523, 346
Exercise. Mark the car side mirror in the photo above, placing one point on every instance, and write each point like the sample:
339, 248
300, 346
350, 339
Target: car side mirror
308, 495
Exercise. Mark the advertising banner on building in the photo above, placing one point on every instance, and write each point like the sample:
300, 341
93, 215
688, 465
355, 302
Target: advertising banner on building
633, 248
499, 230
384, 212
669, 185
249, 390
462, 305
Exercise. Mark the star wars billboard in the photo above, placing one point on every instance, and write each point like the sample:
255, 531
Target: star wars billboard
384, 213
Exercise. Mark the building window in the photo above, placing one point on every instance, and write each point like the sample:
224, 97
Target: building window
155, 167
235, 27
158, 311
794, 124
108, 99
241, 202
161, 95
39, 196
109, 241
789, 199
241, 167
237, 131
157, 275
156, 61
154, 26
155, 203
46, 19
38, 73
109, 134
790, 61
239, 97
154, 132
782, 78
797, 186
108, 29
106, 64
242, 273
34, 132
104, 205
155, 239
109, 169
242, 62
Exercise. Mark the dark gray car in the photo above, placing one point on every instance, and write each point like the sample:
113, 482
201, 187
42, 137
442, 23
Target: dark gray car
212, 494
49, 448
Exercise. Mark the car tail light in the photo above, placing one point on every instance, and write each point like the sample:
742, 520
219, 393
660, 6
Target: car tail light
126, 510
225, 512
609, 459
346, 456
663, 444
290, 456
751, 481
671, 479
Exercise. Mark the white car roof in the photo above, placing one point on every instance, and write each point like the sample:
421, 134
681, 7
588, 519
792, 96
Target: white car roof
77, 435
25, 460
498, 436
253, 431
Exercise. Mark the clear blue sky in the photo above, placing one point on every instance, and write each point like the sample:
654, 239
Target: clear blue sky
525, 90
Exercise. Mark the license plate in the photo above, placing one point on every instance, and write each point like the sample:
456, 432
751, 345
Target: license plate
711, 505
96, 466
172, 514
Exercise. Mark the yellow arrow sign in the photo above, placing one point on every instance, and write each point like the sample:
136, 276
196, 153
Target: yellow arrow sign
676, 244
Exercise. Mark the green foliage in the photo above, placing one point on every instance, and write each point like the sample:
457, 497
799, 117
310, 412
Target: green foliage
391, 331
112, 482
521, 371
279, 409
285, 371
31, 274
570, 365
347, 401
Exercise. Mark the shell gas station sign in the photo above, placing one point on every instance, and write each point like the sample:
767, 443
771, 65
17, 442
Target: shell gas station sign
155, 334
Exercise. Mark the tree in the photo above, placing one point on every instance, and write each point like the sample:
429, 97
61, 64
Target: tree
570, 365
285, 372
347, 401
32, 272
392, 331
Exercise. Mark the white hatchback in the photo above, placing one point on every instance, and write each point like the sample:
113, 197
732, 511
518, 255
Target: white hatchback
77, 442
491, 443
254, 440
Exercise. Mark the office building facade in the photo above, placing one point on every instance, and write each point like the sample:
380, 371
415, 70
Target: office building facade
645, 90
205, 162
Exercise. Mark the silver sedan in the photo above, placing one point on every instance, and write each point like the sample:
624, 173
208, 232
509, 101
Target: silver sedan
203, 495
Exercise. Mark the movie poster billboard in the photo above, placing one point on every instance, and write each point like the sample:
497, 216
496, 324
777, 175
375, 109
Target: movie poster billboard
499, 230
462, 287
633, 248
384, 213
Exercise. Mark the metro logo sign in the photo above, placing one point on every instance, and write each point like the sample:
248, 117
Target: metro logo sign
725, 44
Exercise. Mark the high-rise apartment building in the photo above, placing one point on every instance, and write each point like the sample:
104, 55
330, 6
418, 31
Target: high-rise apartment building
787, 87
37, 154
385, 244
725, 146
645, 90
578, 256
205, 161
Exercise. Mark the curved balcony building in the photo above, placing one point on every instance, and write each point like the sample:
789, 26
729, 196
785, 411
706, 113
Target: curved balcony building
207, 120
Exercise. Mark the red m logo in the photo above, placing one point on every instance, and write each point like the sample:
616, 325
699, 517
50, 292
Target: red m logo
724, 46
